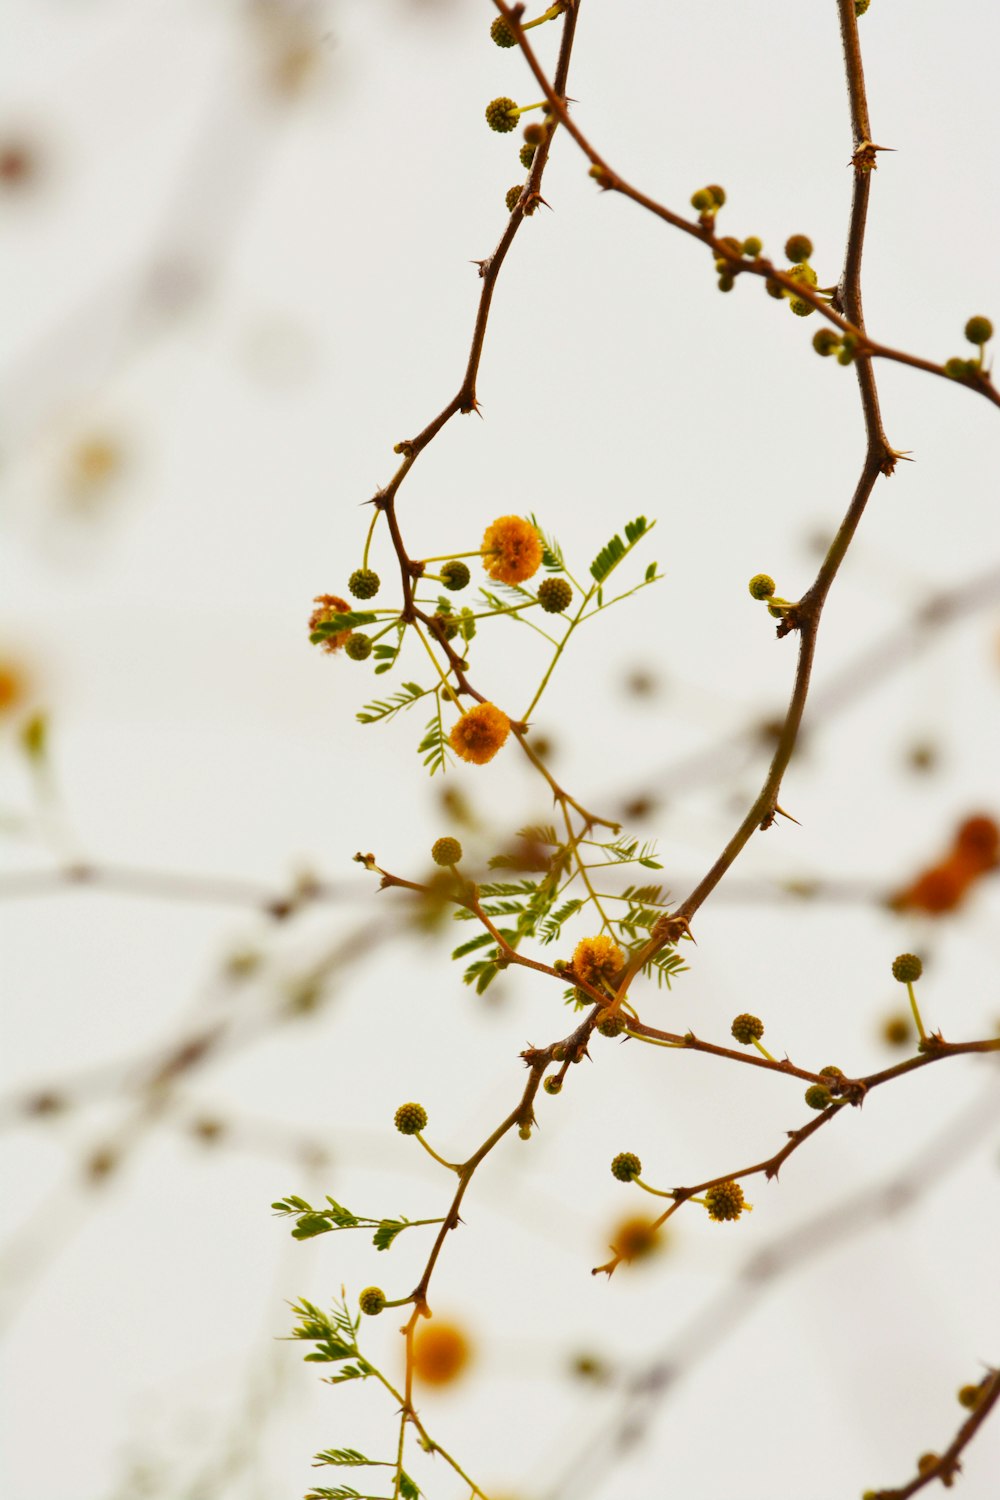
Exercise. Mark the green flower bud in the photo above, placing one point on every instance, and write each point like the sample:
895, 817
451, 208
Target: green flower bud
907, 968
372, 1301
718, 194
526, 155
752, 246
363, 583
609, 1025
625, 1166
358, 647
411, 1119
800, 308
825, 341
502, 34
979, 330
502, 114
818, 1096
747, 1029
455, 576
552, 1085
725, 1201
798, 247
554, 595
761, 586
513, 197
446, 852
702, 200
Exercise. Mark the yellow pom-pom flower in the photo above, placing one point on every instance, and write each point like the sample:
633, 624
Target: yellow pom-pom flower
512, 549
480, 733
597, 958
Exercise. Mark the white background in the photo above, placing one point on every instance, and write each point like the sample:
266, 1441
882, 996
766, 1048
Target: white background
317, 251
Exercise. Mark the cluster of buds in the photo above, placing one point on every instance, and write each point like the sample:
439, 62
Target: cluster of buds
799, 249
728, 266
978, 331
761, 587
827, 341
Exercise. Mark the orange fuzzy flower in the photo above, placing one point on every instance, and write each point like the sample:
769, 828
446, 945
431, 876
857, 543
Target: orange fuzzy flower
937, 890
330, 604
440, 1353
512, 549
480, 733
597, 958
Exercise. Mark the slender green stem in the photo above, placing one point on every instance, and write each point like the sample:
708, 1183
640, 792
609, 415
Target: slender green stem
445, 684
916, 1012
368, 538
449, 1164
656, 1192
763, 1050
558, 652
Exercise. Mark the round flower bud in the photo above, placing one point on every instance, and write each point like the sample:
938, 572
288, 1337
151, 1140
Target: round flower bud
358, 647
979, 330
372, 1301
831, 1072
907, 968
526, 155
825, 340
761, 586
803, 272
818, 1096
455, 576
725, 1201
798, 247
513, 197
502, 34
726, 281
363, 583
752, 246
774, 288
927, 1463
525, 1132
957, 369
747, 1029
502, 114
702, 200
845, 356
554, 595
609, 1025
800, 308
625, 1166
718, 194
534, 134
446, 852
969, 1396
411, 1118
552, 1085
860, 6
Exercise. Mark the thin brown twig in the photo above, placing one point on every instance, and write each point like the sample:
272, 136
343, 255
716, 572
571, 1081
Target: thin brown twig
702, 229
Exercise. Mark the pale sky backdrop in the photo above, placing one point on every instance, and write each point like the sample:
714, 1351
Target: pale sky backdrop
236, 273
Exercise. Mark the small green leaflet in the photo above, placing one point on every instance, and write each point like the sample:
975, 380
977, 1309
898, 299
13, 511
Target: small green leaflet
611, 555
336, 623
385, 708
552, 555
434, 746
